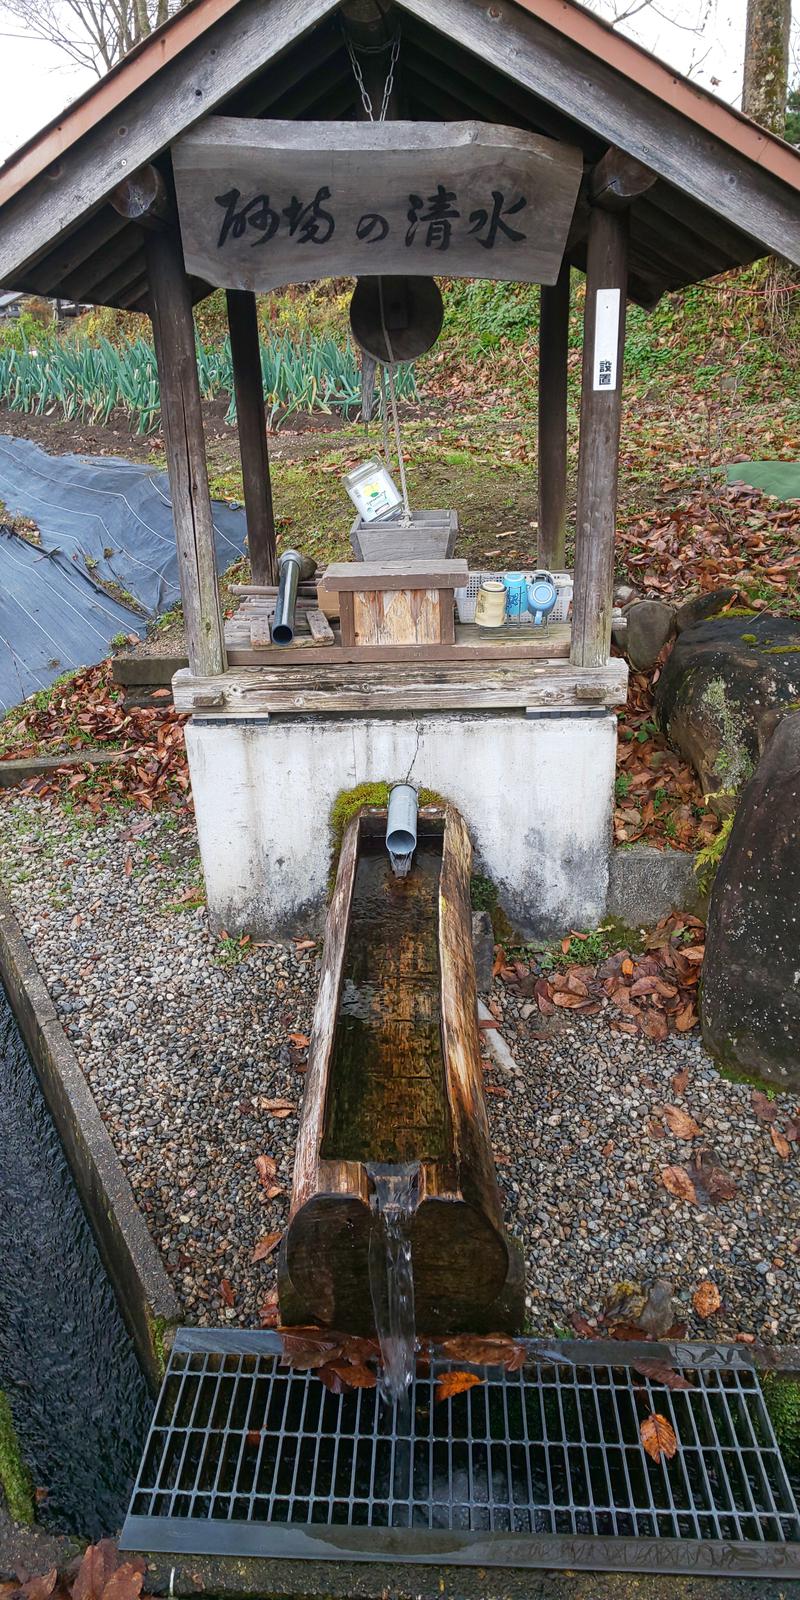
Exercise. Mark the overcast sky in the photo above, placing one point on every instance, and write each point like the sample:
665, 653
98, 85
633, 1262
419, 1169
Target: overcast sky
37, 81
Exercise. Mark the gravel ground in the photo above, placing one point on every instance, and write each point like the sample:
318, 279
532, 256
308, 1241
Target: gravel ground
183, 1050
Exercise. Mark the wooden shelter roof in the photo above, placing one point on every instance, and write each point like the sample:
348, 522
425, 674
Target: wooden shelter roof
726, 191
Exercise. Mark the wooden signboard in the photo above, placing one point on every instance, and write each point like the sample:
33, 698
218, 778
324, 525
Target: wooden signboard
267, 203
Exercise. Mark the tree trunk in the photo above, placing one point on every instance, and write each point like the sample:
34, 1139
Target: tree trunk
766, 62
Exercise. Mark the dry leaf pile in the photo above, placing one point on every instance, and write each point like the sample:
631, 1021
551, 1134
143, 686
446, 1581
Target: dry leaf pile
653, 993
344, 1361
89, 711
719, 535
659, 798
100, 1574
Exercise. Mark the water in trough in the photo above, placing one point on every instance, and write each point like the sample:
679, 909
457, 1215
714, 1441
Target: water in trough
67, 1365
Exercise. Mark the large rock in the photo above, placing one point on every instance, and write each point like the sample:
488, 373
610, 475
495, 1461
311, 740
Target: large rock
699, 607
751, 972
651, 623
726, 684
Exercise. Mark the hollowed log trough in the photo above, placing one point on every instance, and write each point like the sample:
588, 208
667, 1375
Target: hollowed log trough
394, 1076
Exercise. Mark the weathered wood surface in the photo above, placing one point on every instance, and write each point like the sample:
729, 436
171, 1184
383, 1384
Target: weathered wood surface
618, 179
190, 85
553, 347
598, 460
340, 576
251, 423
431, 537
472, 1145
397, 616
319, 688
182, 420
319, 627
553, 67
144, 198
463, 641
420, 972
264, 203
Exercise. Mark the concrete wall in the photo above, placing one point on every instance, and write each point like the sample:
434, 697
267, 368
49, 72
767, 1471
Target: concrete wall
536, 793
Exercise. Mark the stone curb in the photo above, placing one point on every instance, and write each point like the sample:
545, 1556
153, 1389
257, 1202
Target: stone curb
146, 1297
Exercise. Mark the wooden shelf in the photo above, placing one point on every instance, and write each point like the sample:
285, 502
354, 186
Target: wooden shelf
512, 642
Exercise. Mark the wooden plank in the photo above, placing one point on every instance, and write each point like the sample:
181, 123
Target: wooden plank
315, 1089
259, 634
182, 93
320, 628
397, 617
251, 423
412, 686
264, 203
553, 348
347, 624
598, 462
350, 575
18, 769
475, 1169
182, 419
614, 108
471, 643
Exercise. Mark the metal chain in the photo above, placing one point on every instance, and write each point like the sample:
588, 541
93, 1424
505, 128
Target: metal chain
366, 98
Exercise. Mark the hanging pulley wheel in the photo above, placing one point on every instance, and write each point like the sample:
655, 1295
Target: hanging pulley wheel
396, 319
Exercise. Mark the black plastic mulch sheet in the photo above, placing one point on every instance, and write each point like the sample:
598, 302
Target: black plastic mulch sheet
97, 518
52, 618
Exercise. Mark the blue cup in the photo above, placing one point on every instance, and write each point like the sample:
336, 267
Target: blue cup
516, 595
542, 597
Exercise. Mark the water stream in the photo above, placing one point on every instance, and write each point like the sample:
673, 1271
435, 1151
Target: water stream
391, 1276
67, 1365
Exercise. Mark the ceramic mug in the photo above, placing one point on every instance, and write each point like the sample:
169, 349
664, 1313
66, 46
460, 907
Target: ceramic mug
542, 597
516, 595
490, 608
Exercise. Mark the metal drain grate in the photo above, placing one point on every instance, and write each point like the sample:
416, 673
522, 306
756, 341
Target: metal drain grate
541, 1467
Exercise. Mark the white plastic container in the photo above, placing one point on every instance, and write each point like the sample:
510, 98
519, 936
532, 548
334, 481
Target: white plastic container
466, 598
372, 491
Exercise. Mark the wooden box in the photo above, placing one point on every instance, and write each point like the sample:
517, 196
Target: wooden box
395, 603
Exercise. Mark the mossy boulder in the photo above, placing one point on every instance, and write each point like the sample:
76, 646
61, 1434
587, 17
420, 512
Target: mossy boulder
727, 683
750, 1000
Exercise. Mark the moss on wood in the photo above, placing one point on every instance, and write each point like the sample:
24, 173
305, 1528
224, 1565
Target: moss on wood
365, 796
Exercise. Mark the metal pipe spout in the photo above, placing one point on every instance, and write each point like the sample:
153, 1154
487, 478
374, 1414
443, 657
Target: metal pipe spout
401, 827
288, 580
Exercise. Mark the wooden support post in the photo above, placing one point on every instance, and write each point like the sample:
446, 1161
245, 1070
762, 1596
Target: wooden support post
553, 339
252, 424
598, 463
182, 422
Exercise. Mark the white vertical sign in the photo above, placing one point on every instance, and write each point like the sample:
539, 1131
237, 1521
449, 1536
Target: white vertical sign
606, 339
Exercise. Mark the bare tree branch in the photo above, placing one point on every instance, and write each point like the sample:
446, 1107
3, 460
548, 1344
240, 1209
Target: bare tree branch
93, 33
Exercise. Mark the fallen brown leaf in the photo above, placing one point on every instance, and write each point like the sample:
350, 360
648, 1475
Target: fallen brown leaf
679, 1081
678, 1183
662, 1372
706, 1298
453, 1383
228, 1292
781, 1144
680, 1123
763, 1107
485, 1350
266, 1245
658, 1437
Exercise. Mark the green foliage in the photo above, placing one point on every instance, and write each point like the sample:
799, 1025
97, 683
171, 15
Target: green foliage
709, 859
781, 1394
792, 130
589, 949
14, 1476
230, 950
25, 332
484, 313
91, 380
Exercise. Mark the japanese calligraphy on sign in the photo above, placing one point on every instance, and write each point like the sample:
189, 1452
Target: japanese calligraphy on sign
266, 203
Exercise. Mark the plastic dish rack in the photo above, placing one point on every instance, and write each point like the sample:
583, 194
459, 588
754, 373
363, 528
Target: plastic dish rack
467, 598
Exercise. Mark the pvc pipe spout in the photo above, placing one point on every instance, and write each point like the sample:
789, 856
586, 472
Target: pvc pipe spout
289, 577
401, 827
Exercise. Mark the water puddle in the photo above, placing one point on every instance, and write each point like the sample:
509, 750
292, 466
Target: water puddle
67, 1365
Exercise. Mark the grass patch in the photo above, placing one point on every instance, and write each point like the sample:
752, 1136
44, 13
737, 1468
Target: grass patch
14, 1475
781, 1393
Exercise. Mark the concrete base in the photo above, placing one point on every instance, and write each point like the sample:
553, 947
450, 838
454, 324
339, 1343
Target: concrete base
645, 884
536, 793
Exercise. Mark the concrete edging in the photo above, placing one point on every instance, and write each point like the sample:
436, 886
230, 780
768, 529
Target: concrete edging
146, 1297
